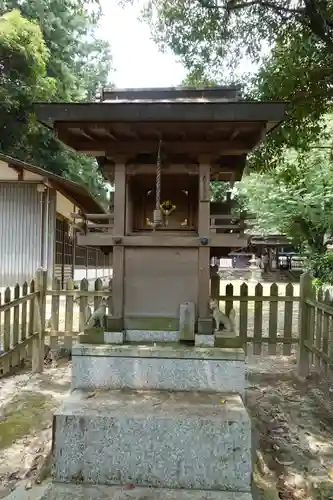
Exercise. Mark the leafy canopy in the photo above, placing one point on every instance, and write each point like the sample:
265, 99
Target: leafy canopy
207, 32
296, 199
23, 78
49, 51
292, 41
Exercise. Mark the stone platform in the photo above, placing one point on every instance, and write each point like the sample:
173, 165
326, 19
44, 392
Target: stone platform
159, 439
85, 492
161, 367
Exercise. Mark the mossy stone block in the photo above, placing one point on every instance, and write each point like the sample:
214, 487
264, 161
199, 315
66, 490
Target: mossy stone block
92, 336
228, 342
205, 326
151, 323
114, 324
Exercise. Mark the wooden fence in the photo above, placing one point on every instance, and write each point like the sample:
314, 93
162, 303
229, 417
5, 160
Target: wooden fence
270, 317
21, 320
66, 314
316, 329
265, 315
31, 312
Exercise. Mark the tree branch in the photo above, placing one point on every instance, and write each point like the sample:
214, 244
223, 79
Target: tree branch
311, 16
233, 5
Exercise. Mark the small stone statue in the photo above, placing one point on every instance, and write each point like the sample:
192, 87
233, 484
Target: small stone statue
98, 317
220, 318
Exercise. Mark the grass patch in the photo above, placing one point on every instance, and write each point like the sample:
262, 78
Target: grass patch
23, 416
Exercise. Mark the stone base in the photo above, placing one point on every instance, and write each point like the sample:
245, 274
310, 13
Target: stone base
59, 491
205, 326
177, 368
159, 439
92, 336
152, 336
204, 340
228, 342
114, 337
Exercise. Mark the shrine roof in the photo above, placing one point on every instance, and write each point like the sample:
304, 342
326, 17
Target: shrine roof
191, 122
171, 94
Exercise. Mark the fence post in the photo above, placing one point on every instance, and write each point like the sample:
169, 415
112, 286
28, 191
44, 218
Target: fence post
215, 287
304, 354
39, 326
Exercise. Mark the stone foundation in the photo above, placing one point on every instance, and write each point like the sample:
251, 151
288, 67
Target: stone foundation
159, 439
114, 337
204, 340
178, 368
59, 491
151, 336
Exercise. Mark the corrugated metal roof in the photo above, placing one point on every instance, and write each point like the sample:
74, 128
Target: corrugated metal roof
77, 193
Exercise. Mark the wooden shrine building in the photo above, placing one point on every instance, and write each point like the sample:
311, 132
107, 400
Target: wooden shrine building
161, 148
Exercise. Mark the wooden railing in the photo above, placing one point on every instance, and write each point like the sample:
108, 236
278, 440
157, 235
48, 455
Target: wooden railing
30, 313
21, 313
277, 316
229, 223
85, 223
316, 329
266, 314
66, 312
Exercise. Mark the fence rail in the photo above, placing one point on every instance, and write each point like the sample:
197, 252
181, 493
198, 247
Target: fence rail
278, 317
271, 324
316, 329
21, 313
66, 309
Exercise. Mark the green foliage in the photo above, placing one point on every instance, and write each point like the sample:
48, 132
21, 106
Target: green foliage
219, 190
298, 70
23, 79
49, 52
213, 38
80, 62
321, 265
209, 34
296, 199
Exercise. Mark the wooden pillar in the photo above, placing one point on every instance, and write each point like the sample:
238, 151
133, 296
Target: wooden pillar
119, 232
204, 250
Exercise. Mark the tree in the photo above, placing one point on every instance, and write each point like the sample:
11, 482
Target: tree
207, 32
300, 71
73, 64
80, 62
23, 79
212, 37
296, 200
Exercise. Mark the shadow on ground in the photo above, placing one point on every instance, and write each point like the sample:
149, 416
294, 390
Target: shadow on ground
293, 431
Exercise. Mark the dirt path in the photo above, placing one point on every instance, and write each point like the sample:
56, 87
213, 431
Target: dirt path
292, 422
293, 429
27, 403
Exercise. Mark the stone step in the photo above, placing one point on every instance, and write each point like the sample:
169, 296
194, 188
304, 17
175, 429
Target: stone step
175, 367
78, 492
154, 438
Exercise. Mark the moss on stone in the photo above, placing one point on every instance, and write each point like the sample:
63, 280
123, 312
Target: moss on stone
23, 415
151, 323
